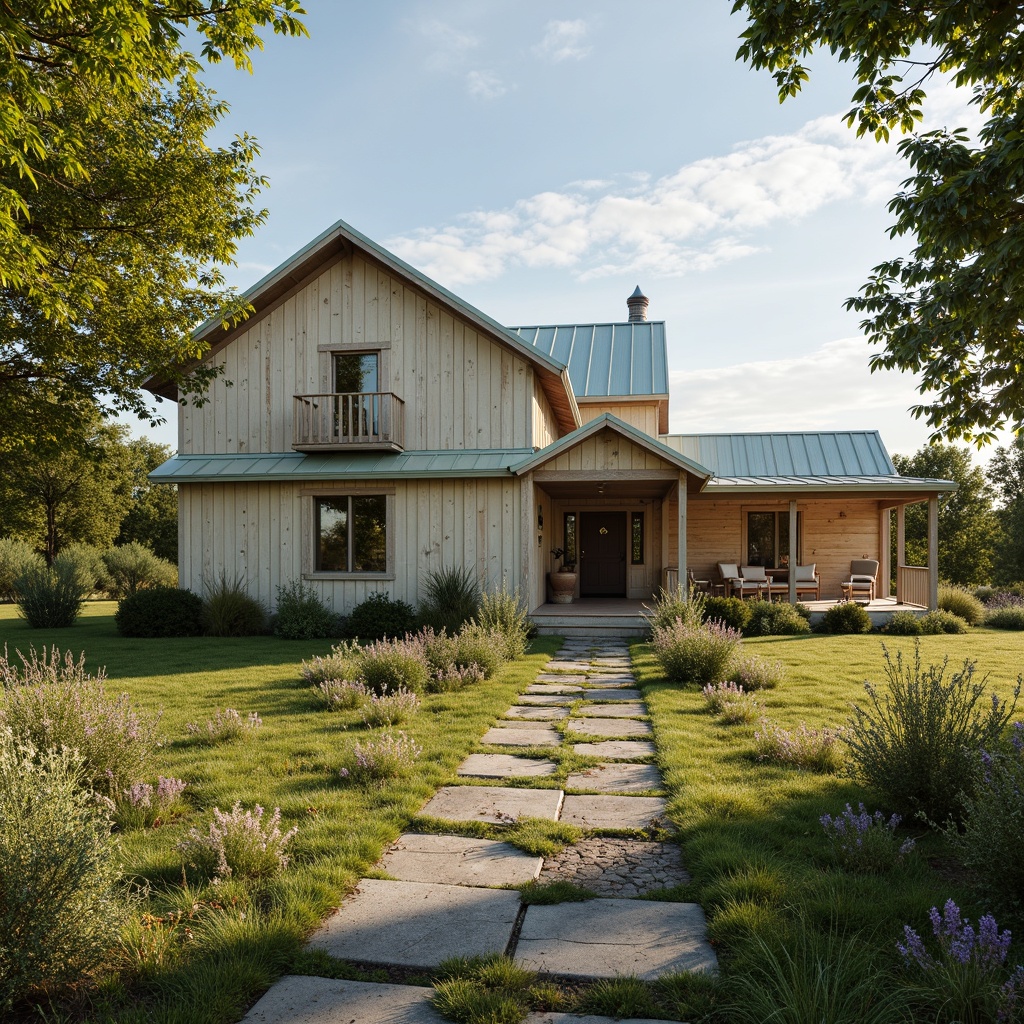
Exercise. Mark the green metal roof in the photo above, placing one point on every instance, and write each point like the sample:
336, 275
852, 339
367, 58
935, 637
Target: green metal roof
339, 466
607, 359
833, 484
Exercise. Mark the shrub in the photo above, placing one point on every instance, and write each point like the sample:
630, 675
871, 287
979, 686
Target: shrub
937, 622
755, 673
670, 605
16, 558
228, 610
144, 805
903, 624
380, 618
57, 705
340, 694
60, 907
133, 567
451, 597
817, 749
389, 664
865, 842
226, 725
917, 743
50, 597
475, 646
87, 563
1007, 617
451, 677
341, 663
301, 615
504, 615
768, 618
695, 653
732, 702
380, 758
160, 612
389, 708
847, 617
733, 611
960, 601
239, 842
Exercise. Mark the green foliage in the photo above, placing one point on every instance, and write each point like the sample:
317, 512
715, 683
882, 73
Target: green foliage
917, 743
16, 558
339, 694
474, 990
733, 611
951, 311
61, 908
378, 710
225, 726
379, 758
50, 597
132, 567
768, 618
903, 624
936, 622
671, 605
380, 618
87, 563
341, 663
620, 997
695, 653
546, 894
229, 610
152, 517
804, 747
960, 601
475, 646
504, 616
301, 615
388, 665
1010, 617
1006, 474
161, 611
540, 837
451, 597
847, 617
753, 672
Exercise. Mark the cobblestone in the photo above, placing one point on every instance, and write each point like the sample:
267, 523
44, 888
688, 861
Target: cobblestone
617, 867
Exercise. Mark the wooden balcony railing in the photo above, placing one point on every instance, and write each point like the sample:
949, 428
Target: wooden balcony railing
366, 419
912, 585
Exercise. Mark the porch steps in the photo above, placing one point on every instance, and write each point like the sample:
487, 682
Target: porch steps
593, 626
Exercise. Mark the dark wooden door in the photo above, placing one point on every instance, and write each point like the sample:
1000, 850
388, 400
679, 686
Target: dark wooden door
602, 565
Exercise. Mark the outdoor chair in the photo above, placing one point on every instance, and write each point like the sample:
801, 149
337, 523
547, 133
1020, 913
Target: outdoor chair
753, 580
807, 581
863, 573
730, 573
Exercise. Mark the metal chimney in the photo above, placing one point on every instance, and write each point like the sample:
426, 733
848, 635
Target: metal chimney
637, 304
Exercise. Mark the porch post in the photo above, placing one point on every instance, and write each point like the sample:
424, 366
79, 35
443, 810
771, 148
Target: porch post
884, 548
901, 548
684, 580
528, 541
663, 520
933, 552
794, 554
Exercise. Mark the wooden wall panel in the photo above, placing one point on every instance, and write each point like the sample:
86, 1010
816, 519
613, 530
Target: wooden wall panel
606, 450
640, 415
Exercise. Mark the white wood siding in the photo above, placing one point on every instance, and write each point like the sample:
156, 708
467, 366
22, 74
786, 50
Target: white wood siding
606, 450
642, 415
545, 426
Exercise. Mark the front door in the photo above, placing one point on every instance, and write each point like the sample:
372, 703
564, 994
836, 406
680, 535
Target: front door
602, 554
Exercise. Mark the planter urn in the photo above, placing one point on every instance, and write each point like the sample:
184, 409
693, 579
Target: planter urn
563, 586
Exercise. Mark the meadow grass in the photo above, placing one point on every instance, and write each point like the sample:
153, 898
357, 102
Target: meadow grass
203, 952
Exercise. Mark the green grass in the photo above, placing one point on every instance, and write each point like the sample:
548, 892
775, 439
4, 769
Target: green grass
206, 952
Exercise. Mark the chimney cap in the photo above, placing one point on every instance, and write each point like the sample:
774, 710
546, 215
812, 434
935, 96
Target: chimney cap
637, 294
637, 305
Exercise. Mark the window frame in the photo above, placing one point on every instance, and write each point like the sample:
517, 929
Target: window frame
779, 513
311, 542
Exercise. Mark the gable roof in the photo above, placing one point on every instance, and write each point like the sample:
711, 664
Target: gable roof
606, 421
340, 239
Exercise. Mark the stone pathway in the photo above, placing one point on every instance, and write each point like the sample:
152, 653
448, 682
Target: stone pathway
449, 895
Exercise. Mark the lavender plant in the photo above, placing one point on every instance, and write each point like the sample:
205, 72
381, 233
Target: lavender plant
451, 677
753, 672
865, 842
239, 842
731, 703
144, 805
388, 664
380, 758
694, 652
389, 708
817, 749
341, 663
226, 725
341, 694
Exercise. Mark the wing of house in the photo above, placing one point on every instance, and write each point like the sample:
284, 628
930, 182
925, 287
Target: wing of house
368, 426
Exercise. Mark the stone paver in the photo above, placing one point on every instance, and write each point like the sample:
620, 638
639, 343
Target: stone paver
587, 1018
617, 867
567, 666
616, 750
546, 715
609, 727
540, 714
613, 811
607, 938
554, 688
548, 700
560, 677
300, 1000
501, 736
631, 709
505, 766
456, 860
498, 804
617, 778
418, 924
610, 682
603, 694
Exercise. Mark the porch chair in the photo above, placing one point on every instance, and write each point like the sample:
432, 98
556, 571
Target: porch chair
753, 580
863, 573
730, 573
807, 580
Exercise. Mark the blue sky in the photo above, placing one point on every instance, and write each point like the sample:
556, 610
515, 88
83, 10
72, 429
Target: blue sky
542, 159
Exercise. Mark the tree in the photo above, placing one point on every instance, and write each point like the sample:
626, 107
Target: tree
152, 517
953, 310
968, 528
1006, 474
116, 216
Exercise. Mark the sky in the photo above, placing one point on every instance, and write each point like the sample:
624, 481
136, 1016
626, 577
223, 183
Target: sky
542, 159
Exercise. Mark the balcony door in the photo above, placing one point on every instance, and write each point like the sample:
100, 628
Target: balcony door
356, 375
602, 564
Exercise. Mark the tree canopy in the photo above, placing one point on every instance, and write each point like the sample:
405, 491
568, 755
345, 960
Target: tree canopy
953, 309
116, 215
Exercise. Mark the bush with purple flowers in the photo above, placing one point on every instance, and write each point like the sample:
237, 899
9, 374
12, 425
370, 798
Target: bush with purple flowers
226, 725
694, 652
731, 702
819, 750
144, 805
380, 758
753, 672
963, 977
388, 664
341, 694
239, 842
389, 708
865, 842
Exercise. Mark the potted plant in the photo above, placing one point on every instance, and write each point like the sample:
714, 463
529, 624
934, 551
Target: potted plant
563, 582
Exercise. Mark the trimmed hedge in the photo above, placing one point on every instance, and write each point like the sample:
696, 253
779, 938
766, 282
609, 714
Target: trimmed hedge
162, 611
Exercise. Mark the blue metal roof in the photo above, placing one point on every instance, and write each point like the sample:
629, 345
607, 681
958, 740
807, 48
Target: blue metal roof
605, 360
819, 453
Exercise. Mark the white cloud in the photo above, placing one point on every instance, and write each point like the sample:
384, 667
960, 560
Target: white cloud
485, 85
563, 40
447, 45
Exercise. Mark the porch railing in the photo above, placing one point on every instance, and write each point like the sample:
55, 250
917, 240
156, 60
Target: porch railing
912, 585
366, 419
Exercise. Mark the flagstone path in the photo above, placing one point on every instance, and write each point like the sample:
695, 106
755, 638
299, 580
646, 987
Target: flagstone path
449, 895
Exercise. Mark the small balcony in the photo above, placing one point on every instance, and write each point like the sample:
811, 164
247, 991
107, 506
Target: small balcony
367, 420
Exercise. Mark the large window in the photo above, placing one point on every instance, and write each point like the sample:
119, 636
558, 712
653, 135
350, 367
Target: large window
356, 379
351, 533
768, 541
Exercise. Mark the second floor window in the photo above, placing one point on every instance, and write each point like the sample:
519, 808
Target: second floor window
356, 374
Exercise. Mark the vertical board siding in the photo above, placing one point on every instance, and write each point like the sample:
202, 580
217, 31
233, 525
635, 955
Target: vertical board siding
606, 450
642, 415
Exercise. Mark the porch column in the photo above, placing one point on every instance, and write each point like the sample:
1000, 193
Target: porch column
528, 542
684, 579
933, 552
901, 548
793, 553
884, 548
663, 521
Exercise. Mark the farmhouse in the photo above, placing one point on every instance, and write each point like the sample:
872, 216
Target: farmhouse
369, 426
